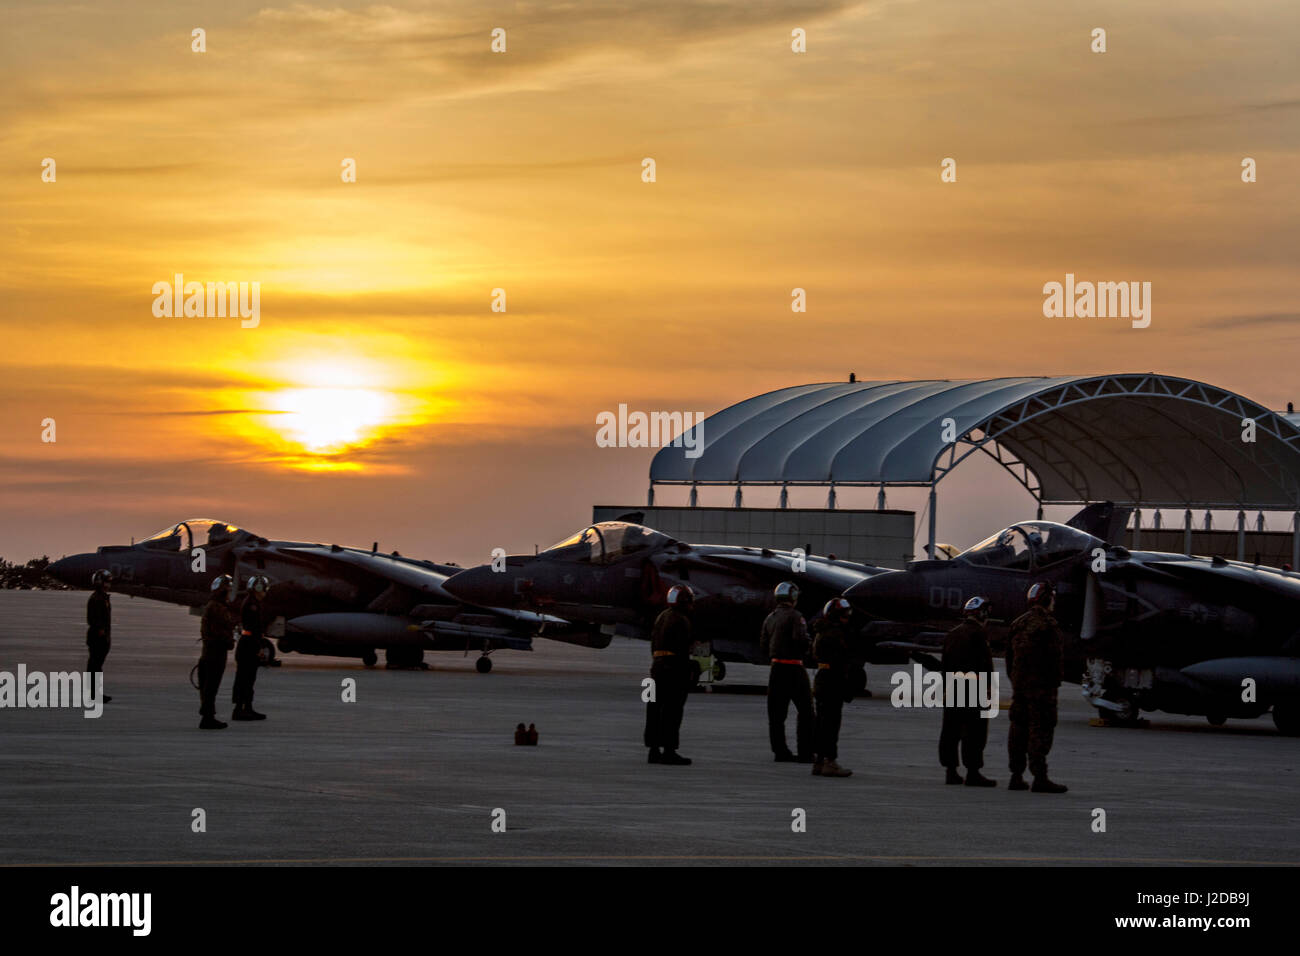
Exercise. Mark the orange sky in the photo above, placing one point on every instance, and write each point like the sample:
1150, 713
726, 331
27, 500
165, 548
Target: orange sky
380, 397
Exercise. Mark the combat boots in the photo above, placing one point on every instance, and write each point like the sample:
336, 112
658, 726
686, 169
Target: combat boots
246, 713
655, 755
1043, 785
1017, 782
211, 723
976, 779
952, 776
829, 768
673, 759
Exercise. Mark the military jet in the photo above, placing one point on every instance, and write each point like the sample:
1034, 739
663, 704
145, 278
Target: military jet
324, 599
614, 576
1146, 630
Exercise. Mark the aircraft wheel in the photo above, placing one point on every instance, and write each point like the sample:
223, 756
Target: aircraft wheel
719, 670
266, 654
370, 658
483, 665
1216, 720
405, 657
1129, 714
1286, 718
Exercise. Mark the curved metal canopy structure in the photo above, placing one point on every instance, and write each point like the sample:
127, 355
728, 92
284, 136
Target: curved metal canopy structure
1141, 439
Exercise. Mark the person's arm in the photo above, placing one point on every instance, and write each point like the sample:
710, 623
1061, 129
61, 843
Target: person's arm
99, 615
684, 632
948, 658
985, 654
1060, 655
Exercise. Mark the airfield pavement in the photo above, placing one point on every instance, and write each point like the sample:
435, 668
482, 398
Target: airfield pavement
413, 770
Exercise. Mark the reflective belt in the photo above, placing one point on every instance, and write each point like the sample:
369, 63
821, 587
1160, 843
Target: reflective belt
665, 653
823, 667
777, 660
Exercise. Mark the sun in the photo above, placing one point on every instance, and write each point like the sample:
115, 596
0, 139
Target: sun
316, 410
325, 410
327, 419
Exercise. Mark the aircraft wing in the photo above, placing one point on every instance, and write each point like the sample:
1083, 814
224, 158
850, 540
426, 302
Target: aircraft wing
1241, 583
835, 576
424, 577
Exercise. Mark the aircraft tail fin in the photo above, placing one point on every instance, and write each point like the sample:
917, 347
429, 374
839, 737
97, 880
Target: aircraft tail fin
1104, 520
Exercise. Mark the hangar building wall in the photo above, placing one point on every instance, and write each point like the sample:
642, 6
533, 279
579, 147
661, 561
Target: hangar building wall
882, 538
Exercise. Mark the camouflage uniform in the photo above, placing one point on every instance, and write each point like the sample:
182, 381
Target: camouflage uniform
670, 642
830, 686
216, 630
785, 642
1035, 664
966, 651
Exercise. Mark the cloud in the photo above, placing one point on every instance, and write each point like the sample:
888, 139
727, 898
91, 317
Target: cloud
1254, 321
1239, 111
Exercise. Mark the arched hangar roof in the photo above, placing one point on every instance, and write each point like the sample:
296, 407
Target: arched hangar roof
1146, 439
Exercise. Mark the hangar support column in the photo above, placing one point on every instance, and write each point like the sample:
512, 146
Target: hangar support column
1295, 542
933, 505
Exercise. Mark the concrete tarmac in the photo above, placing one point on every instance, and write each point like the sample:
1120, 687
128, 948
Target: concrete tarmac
413, 771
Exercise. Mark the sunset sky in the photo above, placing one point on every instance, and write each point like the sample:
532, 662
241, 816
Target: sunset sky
381, 397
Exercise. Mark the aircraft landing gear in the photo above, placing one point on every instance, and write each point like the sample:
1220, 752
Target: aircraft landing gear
1125, 711
1286, 718
705, 667
266, 655
1216, 720
370, 658
1112, 708
405, 658
483, 665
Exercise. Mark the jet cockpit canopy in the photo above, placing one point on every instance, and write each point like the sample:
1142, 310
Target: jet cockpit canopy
1031, 544
606, 542
192, 533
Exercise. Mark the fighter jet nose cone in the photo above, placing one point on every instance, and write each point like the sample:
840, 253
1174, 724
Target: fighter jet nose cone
69, 570
479, 585
880, 595
858, 591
